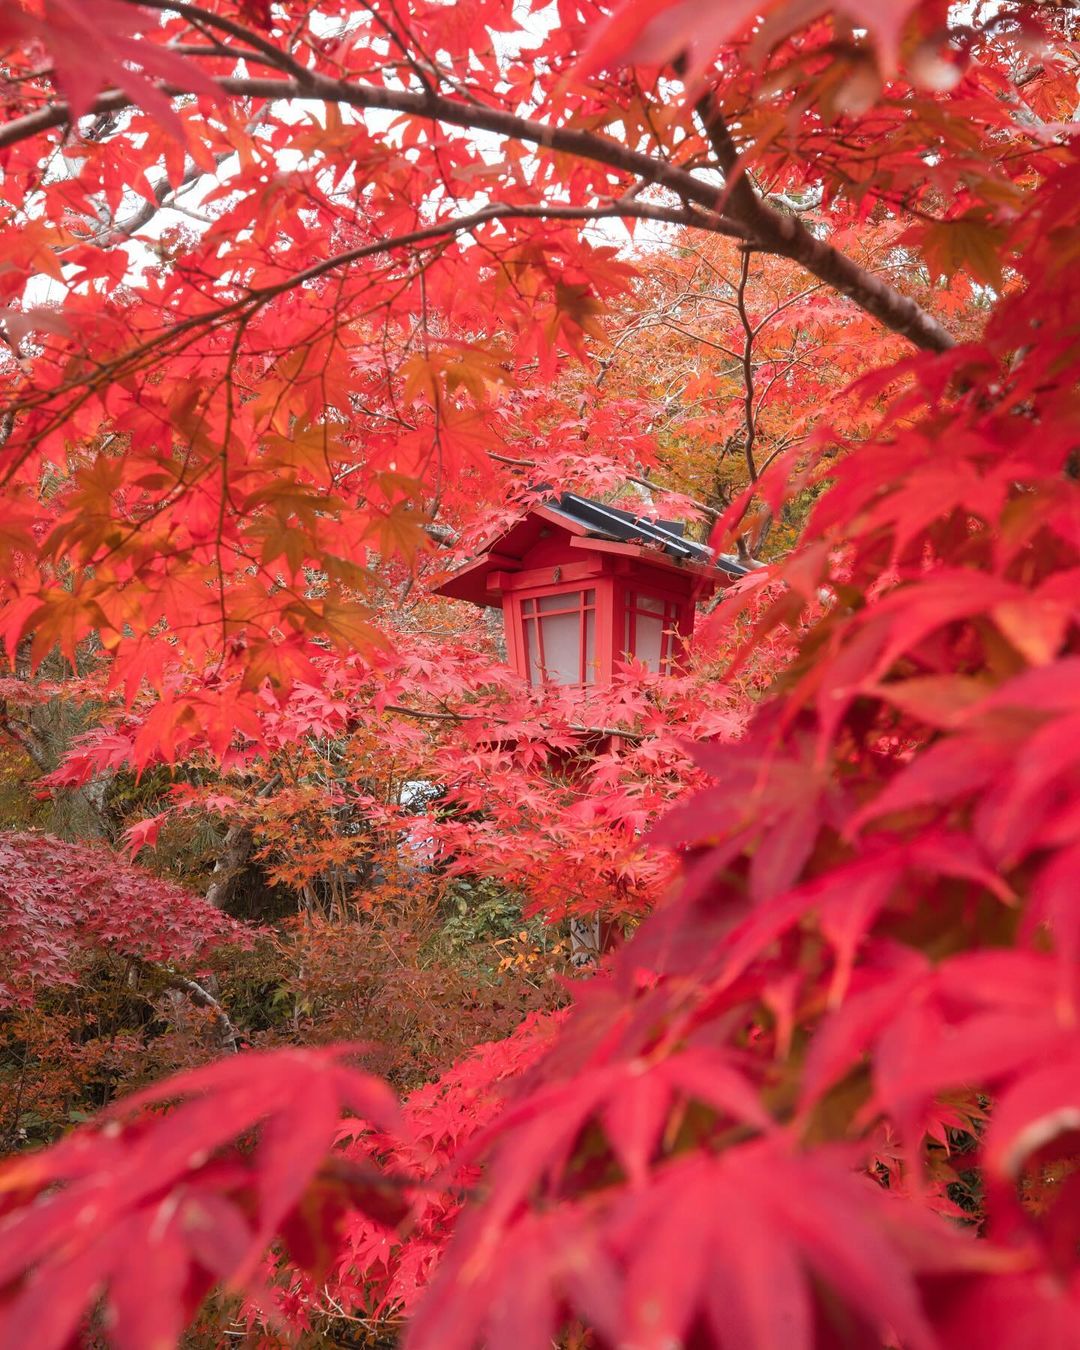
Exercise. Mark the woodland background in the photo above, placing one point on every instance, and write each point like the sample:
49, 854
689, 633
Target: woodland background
303, 303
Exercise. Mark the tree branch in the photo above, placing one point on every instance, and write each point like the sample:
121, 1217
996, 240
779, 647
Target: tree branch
747, 363
228, 1036
129, 361
25, 738
735, 210
202, 19
455, 718
235, 850
776, 232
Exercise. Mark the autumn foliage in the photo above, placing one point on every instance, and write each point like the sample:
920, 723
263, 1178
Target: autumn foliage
303, 302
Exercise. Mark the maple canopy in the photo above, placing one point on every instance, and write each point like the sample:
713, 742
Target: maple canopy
298, 299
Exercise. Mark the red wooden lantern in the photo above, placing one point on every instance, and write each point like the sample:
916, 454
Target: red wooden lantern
583, 586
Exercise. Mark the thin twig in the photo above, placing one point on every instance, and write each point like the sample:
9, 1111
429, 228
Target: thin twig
747, 367
456, 717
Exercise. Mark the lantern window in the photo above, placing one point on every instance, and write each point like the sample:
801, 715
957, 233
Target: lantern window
651, 631
560, 637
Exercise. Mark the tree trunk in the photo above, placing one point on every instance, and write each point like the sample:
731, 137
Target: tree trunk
235, 852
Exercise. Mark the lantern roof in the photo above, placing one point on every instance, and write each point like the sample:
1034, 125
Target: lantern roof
589, 525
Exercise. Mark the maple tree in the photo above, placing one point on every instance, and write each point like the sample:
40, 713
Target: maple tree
228, 444
60, 897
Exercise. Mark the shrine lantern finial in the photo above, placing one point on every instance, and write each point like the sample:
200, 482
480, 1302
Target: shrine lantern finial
583, 586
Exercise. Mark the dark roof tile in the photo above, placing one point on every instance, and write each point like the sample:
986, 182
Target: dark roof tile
610, 522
